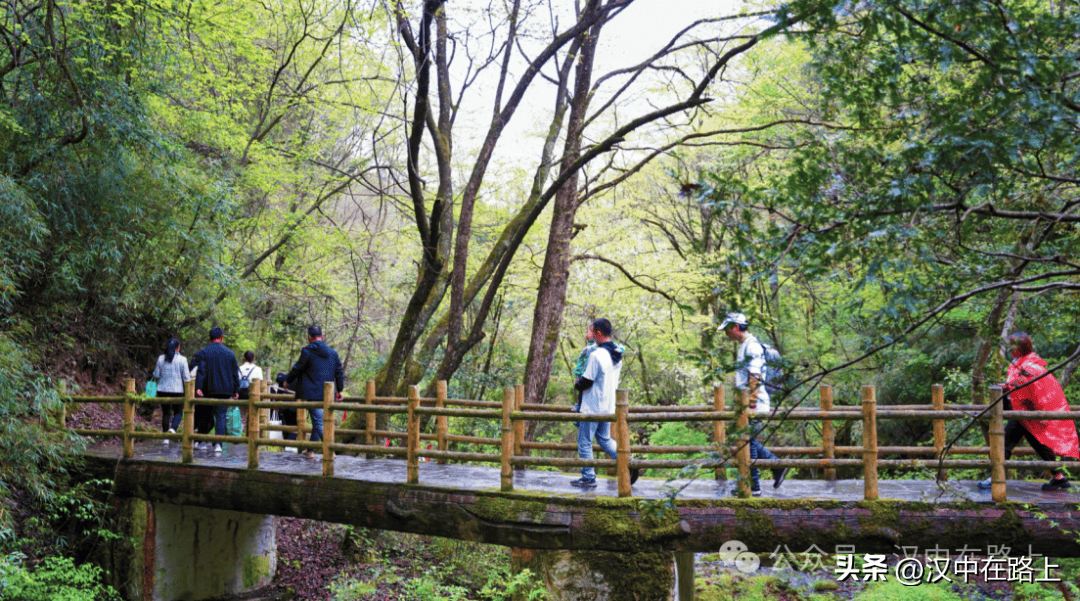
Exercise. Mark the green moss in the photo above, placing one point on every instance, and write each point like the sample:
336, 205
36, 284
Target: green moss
754, 528
255, 569
726, 587
632, 576
500, 509
826, 585
894, 590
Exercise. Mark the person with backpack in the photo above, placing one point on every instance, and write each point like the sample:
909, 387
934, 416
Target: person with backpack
752, 372
248, 371
598, 383
237, 416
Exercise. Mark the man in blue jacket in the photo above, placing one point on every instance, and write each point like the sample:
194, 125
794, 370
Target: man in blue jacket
318, 363
218, 377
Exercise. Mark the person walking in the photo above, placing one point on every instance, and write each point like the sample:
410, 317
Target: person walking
287, 416
749, 374
318, 363
1030, 388
598, 383
218, 377
248, 372
171, 371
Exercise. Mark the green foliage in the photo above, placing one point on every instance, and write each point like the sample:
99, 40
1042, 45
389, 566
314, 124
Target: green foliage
36, 454
894, 590
54, 579
347, 588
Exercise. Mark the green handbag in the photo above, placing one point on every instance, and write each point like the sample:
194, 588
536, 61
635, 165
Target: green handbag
151, 389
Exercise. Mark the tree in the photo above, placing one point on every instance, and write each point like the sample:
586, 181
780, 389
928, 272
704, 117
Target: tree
586, 117
949, 196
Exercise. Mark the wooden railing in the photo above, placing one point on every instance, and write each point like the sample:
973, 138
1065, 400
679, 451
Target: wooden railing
512, 414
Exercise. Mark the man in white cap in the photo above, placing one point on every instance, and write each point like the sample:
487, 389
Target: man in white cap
750, 371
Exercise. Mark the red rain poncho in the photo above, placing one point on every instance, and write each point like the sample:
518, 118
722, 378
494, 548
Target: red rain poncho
1045, 394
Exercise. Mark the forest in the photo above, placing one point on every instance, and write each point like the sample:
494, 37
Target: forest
453, 190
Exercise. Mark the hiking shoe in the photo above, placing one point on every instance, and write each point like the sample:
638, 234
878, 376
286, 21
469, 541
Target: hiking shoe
754, 492
1056, 484
781, 475
634, 475
217, 448
583, 483
985, 484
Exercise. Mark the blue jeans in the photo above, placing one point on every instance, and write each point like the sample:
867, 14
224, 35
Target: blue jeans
219, 420
757, 451
602, 432
316, 424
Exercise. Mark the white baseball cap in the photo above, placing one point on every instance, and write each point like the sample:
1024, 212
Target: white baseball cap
732, 318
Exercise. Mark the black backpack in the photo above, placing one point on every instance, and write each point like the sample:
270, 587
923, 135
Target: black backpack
245, 383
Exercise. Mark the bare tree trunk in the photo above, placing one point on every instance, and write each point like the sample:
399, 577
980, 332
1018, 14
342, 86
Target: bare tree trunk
551, 295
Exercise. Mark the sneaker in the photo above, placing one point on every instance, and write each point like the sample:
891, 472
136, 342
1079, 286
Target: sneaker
634, 475
1056, 484
754, 492
583, 483
171, 431
781, 475
196, 445
308, 453
217, 448
985, 484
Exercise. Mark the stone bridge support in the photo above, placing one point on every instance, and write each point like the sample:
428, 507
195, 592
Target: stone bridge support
610, 575
185, 553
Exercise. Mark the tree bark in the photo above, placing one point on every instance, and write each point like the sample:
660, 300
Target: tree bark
551, 293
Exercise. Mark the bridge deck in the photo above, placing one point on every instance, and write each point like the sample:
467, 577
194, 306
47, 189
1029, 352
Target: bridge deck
480, 478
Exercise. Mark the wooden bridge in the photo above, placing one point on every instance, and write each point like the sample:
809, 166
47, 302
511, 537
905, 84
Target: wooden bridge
521, 500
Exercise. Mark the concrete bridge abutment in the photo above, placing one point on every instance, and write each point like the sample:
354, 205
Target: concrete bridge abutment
185, 553
610, 575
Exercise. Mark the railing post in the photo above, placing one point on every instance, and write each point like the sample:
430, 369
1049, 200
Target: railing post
937, 396
264, 414
61, 414
519, 426
301, 426
742, 456
828, 431
441, 424
328, 395
507, 447
129, 418
870, 446
186, 454
997, 446
253, 415
413, 440
622, 442
719, 432
369, 417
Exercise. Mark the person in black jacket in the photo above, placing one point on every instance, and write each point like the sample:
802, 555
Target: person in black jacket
218, 377
318, 363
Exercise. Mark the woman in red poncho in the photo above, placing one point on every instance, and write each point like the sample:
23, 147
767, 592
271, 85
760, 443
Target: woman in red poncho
1029, 392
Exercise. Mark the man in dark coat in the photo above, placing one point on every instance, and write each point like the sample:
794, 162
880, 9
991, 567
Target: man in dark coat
218, 377
318, 363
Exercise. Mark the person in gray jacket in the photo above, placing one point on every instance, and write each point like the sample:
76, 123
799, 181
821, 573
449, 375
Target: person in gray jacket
171, 371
